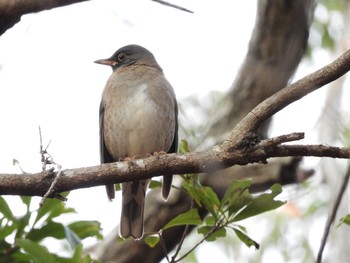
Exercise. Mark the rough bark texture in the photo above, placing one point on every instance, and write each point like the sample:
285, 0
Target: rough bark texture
51, 184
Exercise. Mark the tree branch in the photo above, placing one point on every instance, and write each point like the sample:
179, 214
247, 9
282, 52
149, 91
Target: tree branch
255, 118
12, 10
197, 162
174, 6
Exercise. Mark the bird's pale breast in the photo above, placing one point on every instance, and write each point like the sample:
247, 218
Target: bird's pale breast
140, 112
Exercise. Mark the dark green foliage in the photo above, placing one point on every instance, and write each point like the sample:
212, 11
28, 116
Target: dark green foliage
22, 237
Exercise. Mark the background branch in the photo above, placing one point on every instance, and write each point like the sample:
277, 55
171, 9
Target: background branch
332, 215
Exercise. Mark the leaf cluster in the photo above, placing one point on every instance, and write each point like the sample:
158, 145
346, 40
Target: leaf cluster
236, 205
22, 237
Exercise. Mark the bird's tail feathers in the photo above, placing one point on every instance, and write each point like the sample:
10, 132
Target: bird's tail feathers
131, 223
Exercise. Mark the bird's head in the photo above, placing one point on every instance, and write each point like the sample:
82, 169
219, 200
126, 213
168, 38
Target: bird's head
130, 55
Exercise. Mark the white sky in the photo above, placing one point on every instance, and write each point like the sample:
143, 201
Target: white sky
48, 77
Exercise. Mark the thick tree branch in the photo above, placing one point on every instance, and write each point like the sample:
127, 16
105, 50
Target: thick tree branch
198, 162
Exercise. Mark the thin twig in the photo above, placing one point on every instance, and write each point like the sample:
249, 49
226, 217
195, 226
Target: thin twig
46, 159
282, 139
331, 217
184, 234
45, 156
52, 186
215, 228
162, 244
43, 163
172, 5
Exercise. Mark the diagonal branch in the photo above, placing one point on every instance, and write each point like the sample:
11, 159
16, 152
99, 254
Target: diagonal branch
290, 94
173, 5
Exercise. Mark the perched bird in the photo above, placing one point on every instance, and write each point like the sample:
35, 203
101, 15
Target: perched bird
138, 117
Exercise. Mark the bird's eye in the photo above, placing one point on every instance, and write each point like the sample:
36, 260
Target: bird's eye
121, 56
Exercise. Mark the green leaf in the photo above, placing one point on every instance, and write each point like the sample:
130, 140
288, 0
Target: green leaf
345, 220
204, 230
4, 246
211, 198
154, 184
86, 229
260, 204
20, 256
5, 209
52, 208
183, 147
236, 196
22, 223
245, 239
71, 237
194, 192
50, 229
210, 221
7, 228
204, 196
152, 240
235, 186
190, 217
26, 200
78, 252
38, 253
79, 256
118, 187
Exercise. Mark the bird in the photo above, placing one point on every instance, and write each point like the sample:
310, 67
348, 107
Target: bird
138, 116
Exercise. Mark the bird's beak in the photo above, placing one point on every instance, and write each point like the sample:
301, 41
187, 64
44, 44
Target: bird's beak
107, 62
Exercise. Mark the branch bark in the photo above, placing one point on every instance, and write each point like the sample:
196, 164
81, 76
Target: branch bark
217, 158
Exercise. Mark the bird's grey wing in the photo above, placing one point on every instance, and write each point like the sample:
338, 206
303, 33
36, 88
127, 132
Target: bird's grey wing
105, 156
167, 180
